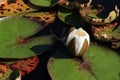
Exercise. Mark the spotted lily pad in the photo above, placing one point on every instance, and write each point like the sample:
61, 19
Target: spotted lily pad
108, 32
99, 63
44, 18
15, 33
14, 7
89, 13
5, 72
44, 3
26, 65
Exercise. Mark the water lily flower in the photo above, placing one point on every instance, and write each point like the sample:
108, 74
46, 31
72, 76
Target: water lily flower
78, 41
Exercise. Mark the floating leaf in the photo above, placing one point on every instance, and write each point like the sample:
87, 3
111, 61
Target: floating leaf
71, 18
13, 7
26, 65
45, 3
108, 32
15, 42
99, 63
89, 13
44, 18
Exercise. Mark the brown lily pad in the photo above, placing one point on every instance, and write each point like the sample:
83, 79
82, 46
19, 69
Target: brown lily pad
25, 65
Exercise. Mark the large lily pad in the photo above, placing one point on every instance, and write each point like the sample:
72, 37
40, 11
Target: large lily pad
15, 41
14, 7
45, 3
99, 63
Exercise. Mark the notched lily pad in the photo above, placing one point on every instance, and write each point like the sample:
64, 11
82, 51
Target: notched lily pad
44, 18
16, 42
99, 63
89, 14
71, 18
14, 7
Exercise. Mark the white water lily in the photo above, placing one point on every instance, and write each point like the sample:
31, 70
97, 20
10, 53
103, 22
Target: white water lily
78, 41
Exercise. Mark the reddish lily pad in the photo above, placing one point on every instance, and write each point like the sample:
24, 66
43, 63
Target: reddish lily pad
25, 65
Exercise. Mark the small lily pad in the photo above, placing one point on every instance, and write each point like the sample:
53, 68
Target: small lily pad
99, 63
44, 3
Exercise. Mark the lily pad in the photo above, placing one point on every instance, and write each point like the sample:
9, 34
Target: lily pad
44, 3
99, 63
5, 72
16, 42
26, 65
44, 18
71, 18
14, 7
108, 32
90, 14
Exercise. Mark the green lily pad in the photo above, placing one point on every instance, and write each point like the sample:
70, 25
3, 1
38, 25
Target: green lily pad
44, 3
99, 63
71, 18
15, 41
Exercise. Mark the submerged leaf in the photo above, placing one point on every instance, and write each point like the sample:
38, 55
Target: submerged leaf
99, 63
15, 43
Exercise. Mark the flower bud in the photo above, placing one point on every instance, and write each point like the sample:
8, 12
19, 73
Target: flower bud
78, 41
